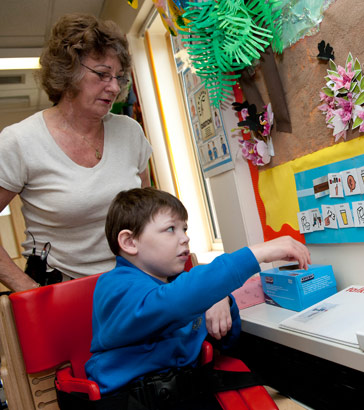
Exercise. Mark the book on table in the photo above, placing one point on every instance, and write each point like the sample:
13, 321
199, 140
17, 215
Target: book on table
337, 318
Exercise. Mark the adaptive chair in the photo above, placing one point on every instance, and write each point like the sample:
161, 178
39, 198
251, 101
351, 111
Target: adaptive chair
46, 336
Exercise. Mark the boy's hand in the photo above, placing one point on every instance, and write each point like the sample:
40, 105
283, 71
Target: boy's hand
283, 248
218, 319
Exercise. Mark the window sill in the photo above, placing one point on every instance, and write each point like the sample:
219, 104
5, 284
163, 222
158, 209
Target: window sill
206, 257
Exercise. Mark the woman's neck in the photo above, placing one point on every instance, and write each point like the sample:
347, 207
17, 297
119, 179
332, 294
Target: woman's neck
79, 136
80, 122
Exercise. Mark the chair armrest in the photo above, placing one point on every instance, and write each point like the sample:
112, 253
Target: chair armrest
207, 353
67, 383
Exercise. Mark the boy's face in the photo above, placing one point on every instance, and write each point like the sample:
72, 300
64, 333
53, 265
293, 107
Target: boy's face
163, 246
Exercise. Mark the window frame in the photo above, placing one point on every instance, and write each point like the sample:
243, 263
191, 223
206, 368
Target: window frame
157, 96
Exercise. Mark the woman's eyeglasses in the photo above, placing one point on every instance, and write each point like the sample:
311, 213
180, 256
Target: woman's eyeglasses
107, 77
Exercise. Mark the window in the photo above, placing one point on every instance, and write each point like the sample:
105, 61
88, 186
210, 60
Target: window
167, 127
209, 204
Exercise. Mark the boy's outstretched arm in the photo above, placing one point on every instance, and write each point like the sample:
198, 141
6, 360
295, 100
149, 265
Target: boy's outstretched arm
283, 248
218, 317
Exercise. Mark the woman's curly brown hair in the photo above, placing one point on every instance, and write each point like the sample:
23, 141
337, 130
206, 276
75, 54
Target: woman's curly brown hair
72, 38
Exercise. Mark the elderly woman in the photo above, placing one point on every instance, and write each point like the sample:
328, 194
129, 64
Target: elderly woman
68, 162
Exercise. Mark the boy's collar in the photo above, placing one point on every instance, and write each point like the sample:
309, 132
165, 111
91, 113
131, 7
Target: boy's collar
121, 261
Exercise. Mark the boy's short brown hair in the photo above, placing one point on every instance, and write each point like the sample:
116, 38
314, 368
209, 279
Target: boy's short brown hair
134, 208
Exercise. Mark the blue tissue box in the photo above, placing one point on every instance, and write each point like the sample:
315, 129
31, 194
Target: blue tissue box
297, 289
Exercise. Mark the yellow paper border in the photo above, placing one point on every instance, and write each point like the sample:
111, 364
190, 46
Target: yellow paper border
277, 186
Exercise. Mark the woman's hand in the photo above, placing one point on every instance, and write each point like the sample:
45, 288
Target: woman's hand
12, 276
218, 319
283, 248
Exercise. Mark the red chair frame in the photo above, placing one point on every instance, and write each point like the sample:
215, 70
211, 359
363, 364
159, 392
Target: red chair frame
54, 327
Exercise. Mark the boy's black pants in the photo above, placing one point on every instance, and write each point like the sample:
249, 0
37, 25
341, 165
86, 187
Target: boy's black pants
126, 402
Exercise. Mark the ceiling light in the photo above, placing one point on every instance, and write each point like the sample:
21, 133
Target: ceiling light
24, 63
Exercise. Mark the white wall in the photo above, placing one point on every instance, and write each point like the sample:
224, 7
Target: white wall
347, 261
240, 223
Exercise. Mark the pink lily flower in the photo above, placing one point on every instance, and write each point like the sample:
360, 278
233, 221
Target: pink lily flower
256, 152
344, 79
261, 149
346, 109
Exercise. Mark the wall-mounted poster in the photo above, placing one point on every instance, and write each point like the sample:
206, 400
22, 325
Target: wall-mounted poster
334, 193
208, 128
204, 113
177, 47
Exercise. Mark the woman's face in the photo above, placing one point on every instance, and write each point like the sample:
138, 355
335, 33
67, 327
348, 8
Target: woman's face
95, 97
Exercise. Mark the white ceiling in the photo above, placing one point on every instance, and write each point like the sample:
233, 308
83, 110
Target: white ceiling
26, 23
24, 28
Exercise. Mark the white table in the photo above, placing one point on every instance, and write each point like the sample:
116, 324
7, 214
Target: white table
262, 320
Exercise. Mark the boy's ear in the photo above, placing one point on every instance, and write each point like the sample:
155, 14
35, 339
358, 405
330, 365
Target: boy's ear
126, 242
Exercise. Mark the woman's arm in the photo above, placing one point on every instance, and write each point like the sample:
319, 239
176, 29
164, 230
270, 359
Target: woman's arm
145, 177
10, 274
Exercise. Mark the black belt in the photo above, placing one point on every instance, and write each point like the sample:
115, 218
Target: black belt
162, 391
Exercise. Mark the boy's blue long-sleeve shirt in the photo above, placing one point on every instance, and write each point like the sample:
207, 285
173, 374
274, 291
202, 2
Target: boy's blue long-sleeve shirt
141, 324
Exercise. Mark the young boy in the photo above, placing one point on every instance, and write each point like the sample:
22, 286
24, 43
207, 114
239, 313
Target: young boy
148, 317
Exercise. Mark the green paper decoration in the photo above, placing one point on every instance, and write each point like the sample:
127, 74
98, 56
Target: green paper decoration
228, 35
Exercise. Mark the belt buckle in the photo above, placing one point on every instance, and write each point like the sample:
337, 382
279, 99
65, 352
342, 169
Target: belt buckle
165, 389
140, 392
162, 390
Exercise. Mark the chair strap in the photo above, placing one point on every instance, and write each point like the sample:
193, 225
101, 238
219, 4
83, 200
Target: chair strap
224, 380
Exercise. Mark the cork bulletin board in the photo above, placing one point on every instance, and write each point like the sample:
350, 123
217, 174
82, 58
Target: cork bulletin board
310, 144
302, 75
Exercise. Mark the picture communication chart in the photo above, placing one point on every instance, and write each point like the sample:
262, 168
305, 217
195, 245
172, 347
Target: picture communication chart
331, 202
